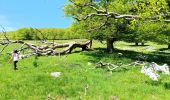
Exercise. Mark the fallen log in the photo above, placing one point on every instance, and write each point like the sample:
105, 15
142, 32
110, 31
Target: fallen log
47, 48
44, 50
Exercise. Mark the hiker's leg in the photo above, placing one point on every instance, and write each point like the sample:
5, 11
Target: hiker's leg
15, 65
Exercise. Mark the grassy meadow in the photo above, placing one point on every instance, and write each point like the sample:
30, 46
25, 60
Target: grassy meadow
80, 80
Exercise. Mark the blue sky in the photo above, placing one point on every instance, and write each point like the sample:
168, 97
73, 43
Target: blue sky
16, 14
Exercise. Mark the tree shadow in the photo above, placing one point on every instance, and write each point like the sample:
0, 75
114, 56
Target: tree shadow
167, 85
154, 83
163, 49
152, 57
161, 52
100, 53
78, 51
97, 54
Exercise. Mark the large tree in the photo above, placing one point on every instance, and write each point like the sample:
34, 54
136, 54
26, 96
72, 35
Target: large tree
163, 35
108, 19
141, 32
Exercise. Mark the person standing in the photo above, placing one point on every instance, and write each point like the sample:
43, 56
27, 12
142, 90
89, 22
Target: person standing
15, 58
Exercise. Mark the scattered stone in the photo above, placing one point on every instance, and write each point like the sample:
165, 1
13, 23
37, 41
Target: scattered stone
56, 74
152, 70
164, 68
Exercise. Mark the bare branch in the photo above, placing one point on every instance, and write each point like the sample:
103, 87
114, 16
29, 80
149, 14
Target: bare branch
44, 38
3, 49
4, 32
100, 13
109, 66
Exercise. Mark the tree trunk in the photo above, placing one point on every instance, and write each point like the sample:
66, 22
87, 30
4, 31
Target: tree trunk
91, 42
169, 46
142, 43
110, 42
136, 43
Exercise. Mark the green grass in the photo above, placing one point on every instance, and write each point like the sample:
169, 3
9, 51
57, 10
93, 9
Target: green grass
35, 83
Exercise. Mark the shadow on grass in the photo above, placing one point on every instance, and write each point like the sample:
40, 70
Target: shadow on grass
161, 53
100, 53
78, 51
154, 83
167, 85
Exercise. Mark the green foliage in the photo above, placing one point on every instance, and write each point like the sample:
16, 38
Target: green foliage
26, 34
141, 32
137, 30
77, 31
47, 33
52, 33
163, 35
10, 35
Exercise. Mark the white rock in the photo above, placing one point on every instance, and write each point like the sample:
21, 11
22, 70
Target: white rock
56, 74
164, 69
153, 76
152, 70
149, 71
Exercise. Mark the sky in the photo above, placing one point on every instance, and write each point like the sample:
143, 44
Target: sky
15, 14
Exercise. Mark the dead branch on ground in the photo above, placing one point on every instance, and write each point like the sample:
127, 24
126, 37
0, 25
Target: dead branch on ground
47, 48
108, 66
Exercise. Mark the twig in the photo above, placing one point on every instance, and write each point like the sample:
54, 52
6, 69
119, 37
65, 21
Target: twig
44, 38
4, 32
3, 49
107, 65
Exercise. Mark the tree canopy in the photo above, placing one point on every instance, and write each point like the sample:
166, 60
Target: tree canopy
117, 18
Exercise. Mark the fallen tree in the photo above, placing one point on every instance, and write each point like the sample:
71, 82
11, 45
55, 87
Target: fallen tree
47, 48
51, 49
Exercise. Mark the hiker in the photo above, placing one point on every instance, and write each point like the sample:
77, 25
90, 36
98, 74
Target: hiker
15, 58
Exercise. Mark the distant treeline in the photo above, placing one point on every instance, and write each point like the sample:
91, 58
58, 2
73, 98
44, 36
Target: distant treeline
47, 33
